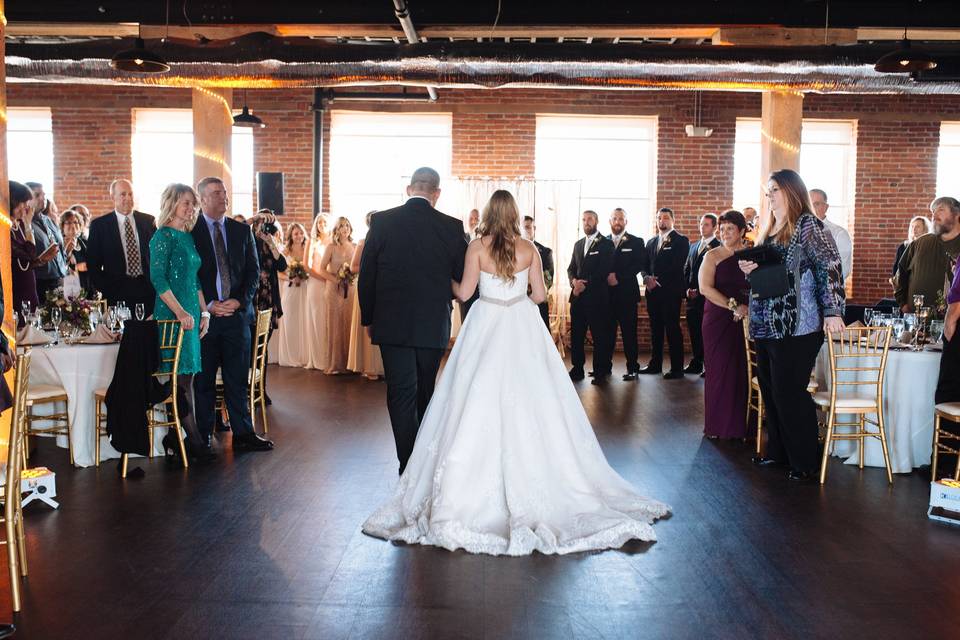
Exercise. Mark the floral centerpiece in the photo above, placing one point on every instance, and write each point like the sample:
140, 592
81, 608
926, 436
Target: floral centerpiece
297, 274
345, 278
74, 310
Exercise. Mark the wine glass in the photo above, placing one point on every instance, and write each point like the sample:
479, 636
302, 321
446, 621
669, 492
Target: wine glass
898, 325
56, 316
94, 319
138, 309
868, 317
917, 302
25, 308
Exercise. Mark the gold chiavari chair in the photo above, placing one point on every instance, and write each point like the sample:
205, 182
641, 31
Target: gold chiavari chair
99, 422
171, 342
48, 394
256, 393
949, 411
12, 496
858, 358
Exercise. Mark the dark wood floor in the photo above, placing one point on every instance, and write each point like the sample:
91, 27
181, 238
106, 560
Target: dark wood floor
269, 545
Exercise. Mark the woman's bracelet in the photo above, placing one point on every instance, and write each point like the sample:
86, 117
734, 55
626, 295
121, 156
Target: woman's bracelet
732, 304
205, 314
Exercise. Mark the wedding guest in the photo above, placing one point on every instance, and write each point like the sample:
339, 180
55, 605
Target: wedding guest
472, 232
726, 292
293, 337
228, 275
691, 273
667, 251
239, 217
75, 248
174, 263
23, 249
919, 226
818, 198
546, 259
364, 357
335, 268
629, 259
118, 251
750, 215
272, 262
590, 264
46, 234
316, 323
948, 380
789, 328
84, 214
927, 261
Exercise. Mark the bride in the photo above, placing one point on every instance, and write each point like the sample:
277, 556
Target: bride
506, 461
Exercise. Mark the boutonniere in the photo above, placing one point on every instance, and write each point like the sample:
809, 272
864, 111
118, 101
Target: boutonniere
594, 242
666, 243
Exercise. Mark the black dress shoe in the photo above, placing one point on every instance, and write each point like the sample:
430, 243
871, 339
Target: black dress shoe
222, 427
576, 374
630, 376
693, 367
760, 461
7, 630
199, 453
673, 375
800, 477
650, 369
599, 380
267, 400
251, 442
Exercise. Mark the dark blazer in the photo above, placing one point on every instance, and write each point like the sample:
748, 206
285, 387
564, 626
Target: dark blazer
107, 262
411, 254
667, 264
242, 256
691, 269
629, 259
594, 267
896, 261
546, 259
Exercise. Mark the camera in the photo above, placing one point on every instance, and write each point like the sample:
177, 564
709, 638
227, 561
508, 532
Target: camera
269, 228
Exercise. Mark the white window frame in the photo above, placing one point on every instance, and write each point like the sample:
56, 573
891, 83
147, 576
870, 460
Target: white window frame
948, 159
30, 147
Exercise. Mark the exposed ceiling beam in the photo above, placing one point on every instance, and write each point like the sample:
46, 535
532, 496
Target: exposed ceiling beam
783, 36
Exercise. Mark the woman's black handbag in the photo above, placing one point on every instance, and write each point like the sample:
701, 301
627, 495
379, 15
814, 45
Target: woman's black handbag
770, 279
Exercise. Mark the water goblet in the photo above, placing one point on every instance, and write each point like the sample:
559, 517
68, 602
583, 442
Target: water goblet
56, 316
917, 302
94, 319
139, 310
868, 317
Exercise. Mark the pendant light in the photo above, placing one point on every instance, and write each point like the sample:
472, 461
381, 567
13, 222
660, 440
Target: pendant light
246, 119
906, 59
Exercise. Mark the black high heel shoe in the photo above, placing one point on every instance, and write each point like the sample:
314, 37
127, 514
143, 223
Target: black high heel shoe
170, 447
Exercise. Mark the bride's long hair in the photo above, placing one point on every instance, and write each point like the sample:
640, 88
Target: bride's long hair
501, 223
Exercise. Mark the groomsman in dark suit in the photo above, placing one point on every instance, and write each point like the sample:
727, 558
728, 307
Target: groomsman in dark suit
664, 281
118, 251
691, 273
473, 220
590, 264
629, 259
229, 275
546, 259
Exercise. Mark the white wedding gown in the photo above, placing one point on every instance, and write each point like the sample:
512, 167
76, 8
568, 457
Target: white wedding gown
506, 461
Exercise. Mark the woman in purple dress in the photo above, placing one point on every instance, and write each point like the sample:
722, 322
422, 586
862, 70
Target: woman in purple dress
727, 293
23, 249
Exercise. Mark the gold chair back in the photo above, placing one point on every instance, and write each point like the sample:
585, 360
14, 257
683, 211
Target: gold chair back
12, 497
754, 399
259, 370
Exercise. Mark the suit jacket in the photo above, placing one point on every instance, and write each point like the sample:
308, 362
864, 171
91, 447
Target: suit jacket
242, 257
46, 232
546, 259
691, 270
107, 262
411, 254
594, 267
667, 263
629, 259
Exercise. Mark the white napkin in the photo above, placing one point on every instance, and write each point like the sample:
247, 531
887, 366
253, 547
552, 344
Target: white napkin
101, 336
30, 336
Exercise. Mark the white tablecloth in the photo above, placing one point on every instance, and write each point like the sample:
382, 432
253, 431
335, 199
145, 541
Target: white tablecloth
80, 370
909, 385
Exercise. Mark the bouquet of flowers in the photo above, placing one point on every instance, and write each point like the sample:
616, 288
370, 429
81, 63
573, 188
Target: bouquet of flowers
296, 274
345, 278
74, 311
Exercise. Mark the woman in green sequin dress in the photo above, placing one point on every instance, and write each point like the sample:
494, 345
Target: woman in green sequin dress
174, 263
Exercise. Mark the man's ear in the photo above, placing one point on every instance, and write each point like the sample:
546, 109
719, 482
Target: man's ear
436, 196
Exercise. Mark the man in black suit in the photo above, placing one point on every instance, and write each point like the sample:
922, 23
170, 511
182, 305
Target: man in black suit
691, 273
629, 259
118, 251
229, 275
546, 259
590, 264
664, 281
473, 220
411, 254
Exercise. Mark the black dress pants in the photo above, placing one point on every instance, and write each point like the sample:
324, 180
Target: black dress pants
948, 382
411, 373
695, 328
624, 315
226, 347
545, 313
783, 369
663, 308
596, 318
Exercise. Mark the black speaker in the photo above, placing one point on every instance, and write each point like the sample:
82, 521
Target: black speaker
270, 191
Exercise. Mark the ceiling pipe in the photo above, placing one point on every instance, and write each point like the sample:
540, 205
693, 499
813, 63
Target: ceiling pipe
403, 15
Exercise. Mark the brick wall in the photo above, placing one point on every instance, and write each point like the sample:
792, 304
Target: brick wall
494, 134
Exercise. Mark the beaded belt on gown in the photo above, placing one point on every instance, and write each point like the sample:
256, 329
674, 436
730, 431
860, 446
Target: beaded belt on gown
504, 303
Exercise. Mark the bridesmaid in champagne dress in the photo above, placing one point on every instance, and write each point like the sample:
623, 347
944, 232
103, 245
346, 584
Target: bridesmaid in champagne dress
293, 294
315, 322
727, 294
364, 356
339, 295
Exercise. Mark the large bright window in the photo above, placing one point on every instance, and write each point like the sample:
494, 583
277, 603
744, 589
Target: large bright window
613, 157
948, 160
828, 152
163, 153
372, 156
30, 146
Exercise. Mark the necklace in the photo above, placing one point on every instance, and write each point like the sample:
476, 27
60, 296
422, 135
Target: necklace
23, 236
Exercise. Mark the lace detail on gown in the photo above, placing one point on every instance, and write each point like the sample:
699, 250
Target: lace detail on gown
506, 462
